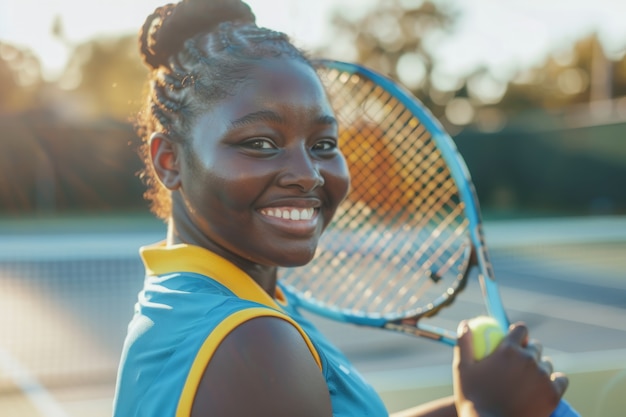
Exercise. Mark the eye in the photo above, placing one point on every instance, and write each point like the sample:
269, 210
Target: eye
259, 144
326, 145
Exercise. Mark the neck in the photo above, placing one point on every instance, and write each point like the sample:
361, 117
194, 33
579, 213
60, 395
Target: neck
182, 230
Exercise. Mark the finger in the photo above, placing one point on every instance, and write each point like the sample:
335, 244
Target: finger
534, 348
464, 344
546, 365
560, 382
518, 334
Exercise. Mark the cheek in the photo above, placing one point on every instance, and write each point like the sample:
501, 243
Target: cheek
212, 187
337, 179
238, 186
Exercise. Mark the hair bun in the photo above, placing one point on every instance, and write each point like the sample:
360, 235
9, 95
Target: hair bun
166, 30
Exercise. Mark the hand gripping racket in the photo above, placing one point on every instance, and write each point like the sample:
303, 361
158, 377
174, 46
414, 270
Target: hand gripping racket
403, 243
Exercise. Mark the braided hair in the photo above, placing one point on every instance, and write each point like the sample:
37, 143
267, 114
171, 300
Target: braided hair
197, 52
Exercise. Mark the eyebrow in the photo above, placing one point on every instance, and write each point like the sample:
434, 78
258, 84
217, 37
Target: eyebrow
326, 120
258, 116
270, 116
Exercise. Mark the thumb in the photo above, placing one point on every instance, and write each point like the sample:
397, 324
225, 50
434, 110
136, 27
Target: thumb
464, 350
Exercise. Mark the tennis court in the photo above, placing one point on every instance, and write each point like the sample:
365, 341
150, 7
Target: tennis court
66, 298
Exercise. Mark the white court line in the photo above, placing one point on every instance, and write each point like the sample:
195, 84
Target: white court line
63, 247
503, 233
603, 316
520, 232
41, 399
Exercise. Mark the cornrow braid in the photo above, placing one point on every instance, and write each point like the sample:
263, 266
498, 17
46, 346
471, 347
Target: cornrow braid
198, 52
164, 108
174, 80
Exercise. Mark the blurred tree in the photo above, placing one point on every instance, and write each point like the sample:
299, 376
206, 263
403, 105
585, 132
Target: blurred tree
576, 75
20, 79
104, 78
395, 37
549, 138
67, 145
619, 77
392, 37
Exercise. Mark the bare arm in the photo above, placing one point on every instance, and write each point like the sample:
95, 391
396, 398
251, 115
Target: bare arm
262, 368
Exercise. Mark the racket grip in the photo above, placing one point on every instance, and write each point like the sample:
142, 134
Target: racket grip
564, 410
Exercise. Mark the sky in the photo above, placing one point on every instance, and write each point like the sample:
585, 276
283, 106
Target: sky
502, 35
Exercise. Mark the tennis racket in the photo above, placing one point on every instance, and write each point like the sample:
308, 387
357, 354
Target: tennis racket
403, 243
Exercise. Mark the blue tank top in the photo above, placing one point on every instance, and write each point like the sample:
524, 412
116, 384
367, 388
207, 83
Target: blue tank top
191, 300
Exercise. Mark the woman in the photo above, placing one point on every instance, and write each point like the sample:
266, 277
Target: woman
243, 163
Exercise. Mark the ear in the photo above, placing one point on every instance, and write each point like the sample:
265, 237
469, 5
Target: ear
165, 159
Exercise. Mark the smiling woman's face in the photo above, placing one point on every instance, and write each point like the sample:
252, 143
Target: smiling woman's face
262, 174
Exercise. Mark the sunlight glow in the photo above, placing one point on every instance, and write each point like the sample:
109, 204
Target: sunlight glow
81, 21
500, 36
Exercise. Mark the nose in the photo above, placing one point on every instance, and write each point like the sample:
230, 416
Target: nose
301, 170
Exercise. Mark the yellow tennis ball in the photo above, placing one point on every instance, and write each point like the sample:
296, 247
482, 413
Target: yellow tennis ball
486, 335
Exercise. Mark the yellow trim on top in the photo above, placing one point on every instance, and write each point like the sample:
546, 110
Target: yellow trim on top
213, 341
160, 259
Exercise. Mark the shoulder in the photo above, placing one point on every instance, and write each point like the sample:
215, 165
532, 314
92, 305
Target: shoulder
262, 367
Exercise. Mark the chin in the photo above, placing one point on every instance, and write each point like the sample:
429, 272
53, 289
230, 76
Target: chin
296, 259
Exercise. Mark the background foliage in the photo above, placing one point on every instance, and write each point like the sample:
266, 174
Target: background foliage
551, 139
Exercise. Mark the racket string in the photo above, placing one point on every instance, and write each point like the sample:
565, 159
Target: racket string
399, 243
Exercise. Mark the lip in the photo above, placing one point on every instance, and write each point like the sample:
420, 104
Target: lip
308, 209
299, 203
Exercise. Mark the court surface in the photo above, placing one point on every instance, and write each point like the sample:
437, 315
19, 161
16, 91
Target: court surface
66, 297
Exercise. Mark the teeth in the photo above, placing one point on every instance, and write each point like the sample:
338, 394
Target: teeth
290, 214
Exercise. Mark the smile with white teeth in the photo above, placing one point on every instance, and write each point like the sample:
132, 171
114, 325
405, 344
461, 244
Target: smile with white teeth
289, 213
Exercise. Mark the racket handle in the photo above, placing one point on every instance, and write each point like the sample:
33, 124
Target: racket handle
564, 410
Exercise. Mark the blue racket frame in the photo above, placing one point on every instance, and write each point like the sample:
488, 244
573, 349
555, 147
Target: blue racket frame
461, 176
